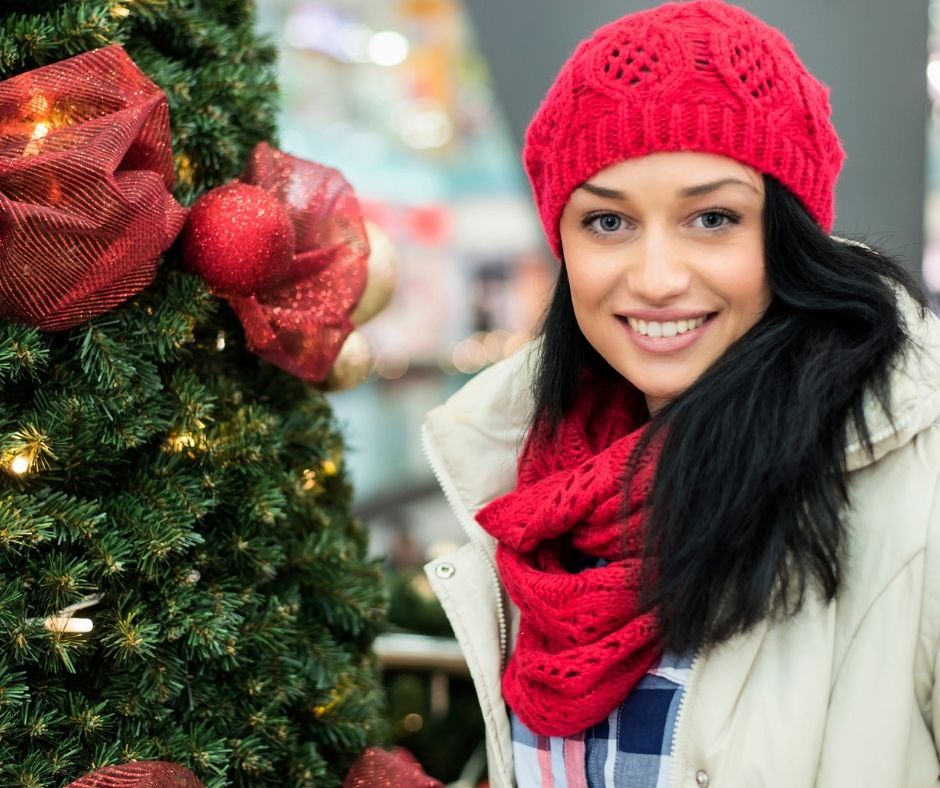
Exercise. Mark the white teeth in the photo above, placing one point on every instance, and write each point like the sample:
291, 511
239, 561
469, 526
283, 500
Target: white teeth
668, 329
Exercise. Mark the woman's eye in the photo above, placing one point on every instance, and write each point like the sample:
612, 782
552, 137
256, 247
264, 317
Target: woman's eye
609, 223
603, 223
718, 220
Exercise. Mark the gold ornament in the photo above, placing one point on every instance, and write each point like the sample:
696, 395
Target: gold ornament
351, 365
382, 276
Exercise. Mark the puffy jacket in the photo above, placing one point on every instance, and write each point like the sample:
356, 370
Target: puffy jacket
841, 695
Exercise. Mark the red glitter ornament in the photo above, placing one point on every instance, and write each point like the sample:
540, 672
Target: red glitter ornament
240, 239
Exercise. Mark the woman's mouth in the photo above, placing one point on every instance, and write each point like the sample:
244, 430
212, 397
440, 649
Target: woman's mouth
666, 336
670, 328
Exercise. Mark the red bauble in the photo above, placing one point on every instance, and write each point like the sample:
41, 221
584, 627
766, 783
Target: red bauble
240, 239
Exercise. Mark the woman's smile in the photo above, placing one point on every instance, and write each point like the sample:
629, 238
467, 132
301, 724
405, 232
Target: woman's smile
666, 335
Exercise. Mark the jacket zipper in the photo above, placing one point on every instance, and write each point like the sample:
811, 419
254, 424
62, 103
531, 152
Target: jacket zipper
464, 518
675, 777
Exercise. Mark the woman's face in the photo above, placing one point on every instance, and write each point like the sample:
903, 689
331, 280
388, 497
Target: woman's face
665, 259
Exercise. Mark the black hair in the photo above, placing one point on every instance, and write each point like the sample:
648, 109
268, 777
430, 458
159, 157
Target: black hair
746, 508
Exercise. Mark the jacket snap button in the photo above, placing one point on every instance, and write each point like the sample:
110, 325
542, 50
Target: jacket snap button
445, 570
701, 778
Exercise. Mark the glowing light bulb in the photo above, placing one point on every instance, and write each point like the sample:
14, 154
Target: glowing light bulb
19, 464
75, 626
34, 145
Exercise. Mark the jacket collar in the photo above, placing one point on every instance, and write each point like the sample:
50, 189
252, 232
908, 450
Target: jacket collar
474, 438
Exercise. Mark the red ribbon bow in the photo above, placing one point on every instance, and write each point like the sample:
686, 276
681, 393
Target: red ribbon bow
378, 768
141, 774
86, 171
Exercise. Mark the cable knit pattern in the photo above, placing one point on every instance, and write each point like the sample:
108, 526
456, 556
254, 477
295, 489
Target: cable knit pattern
583, 644
702, 75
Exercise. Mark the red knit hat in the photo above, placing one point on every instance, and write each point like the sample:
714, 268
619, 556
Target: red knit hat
702, 75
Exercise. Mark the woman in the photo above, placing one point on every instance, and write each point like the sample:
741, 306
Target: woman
701, 506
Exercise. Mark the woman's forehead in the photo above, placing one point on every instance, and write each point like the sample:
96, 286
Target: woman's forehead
679, 166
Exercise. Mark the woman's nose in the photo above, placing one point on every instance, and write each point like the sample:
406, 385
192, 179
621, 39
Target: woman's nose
658, 273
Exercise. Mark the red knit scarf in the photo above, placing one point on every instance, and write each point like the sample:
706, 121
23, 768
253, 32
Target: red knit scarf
582, 643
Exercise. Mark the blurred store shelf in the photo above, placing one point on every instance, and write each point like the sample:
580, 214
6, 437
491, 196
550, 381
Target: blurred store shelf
406, 651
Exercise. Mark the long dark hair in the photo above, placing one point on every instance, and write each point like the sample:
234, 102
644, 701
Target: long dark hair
751, 479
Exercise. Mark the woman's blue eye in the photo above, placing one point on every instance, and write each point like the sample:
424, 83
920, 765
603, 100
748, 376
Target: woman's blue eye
602, 223
717, 219
609, 223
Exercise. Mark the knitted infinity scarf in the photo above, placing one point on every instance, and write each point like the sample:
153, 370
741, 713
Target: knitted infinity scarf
582, 643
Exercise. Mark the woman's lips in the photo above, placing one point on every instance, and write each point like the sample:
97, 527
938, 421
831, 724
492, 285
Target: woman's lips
666, 344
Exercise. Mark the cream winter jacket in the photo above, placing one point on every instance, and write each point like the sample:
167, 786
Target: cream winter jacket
841, 696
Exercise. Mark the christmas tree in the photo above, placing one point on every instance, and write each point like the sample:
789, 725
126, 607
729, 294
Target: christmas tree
161, 486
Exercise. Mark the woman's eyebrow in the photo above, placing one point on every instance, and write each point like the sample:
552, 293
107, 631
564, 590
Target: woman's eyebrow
691, 191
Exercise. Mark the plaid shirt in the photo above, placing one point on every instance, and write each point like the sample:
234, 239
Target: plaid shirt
630, 749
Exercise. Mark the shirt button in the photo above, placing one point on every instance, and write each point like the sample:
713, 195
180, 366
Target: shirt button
701, 778
445, 570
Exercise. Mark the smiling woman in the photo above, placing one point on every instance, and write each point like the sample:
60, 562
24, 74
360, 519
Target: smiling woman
718, 558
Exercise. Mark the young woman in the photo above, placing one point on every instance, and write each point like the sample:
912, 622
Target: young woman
702, 505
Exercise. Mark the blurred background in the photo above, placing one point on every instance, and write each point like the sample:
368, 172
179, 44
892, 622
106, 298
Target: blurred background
422, 105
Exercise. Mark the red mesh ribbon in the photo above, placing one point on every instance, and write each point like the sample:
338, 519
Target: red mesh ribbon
301, 323
377, 768
85, 176
143, 774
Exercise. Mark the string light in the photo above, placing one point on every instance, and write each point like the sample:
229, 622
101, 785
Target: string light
310, 480
30, 452
66, 623
69, 625
19, 464
35, 143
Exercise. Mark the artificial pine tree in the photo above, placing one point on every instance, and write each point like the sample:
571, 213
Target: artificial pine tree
189, 497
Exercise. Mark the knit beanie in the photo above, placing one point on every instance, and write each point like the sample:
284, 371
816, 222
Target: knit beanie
702, 75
